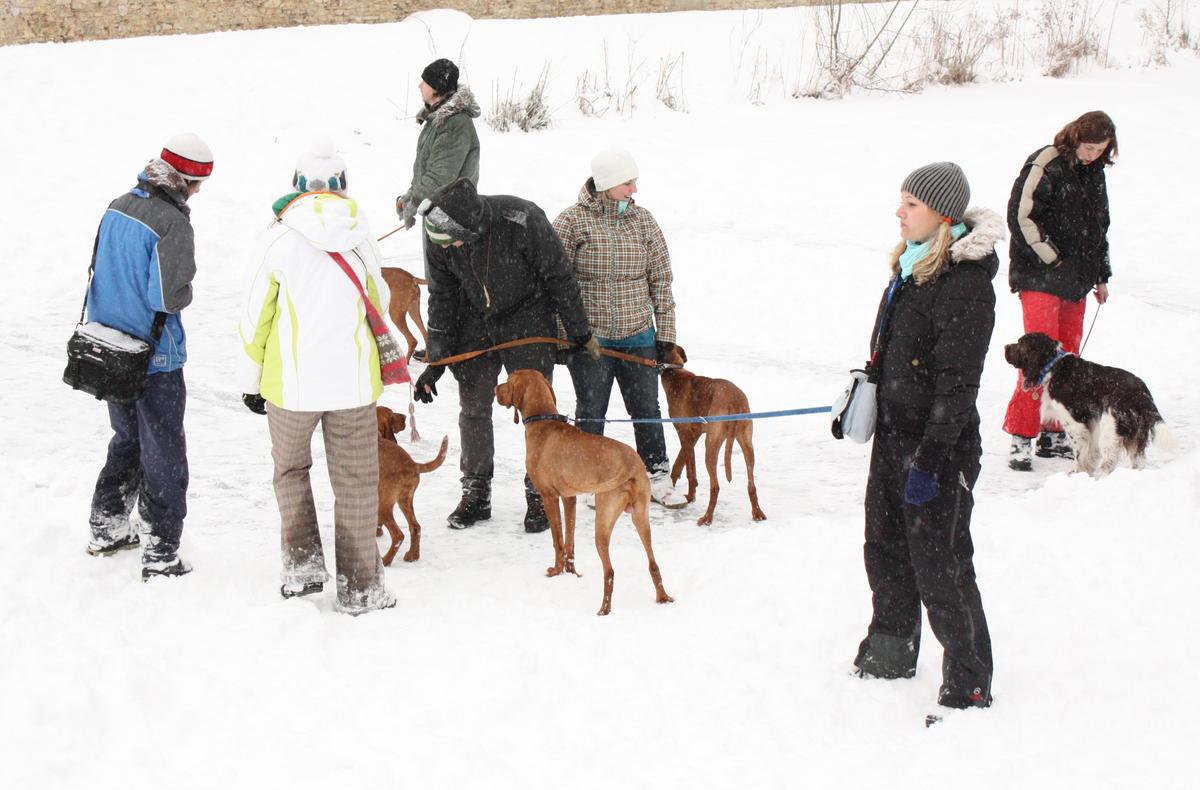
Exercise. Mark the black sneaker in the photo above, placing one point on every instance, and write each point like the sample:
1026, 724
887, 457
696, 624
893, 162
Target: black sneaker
175, 567
1020, 454
475, 506
128, 541
1054, 444
419, 355
300, 590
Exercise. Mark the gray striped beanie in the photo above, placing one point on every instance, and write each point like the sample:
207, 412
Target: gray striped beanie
942, 186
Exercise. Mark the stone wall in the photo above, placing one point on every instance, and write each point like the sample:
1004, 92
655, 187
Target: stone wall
26, 21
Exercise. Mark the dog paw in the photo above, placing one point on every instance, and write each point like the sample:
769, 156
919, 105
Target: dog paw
411, 556
554, 571
704, 521
664, 598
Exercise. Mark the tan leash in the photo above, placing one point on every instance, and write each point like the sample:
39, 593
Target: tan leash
529, 341
390, 232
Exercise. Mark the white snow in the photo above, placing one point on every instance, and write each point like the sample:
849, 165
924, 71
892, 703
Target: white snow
488, 674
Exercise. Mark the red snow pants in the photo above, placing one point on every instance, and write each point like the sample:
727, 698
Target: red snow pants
1061, 320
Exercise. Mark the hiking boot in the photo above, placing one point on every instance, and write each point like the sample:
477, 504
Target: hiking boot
662, 491
475, 506
173, 567
888, 657
1020, 454
536, 519
300, 589
100, 547
975, 698
1054, 444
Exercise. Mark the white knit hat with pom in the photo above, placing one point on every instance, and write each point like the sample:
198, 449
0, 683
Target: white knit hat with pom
321, 169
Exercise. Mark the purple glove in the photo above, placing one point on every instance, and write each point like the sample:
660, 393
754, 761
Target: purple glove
920, 486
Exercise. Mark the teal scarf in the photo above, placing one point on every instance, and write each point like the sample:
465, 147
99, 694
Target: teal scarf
915, 251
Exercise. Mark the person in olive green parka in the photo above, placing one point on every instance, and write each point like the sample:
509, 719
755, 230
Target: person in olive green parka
448, 147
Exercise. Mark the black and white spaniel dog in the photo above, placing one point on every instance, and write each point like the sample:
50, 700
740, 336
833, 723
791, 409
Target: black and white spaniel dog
1102, 409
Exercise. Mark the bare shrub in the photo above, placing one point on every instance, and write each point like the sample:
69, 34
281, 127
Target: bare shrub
1165, 29
528, 115
596, 93
1069, 36
848, 56
669, 88
951, 50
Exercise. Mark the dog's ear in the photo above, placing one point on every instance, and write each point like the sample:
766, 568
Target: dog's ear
682, 354
398, 422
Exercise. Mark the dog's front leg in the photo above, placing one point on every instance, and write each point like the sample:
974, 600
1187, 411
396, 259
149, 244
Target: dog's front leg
569, 544
556, 532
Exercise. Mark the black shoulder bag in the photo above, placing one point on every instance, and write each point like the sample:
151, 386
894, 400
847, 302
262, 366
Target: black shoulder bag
106, 362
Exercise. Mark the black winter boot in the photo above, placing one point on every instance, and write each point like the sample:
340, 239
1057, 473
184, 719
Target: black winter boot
888, 657
475, 506
535, 509
1054, 444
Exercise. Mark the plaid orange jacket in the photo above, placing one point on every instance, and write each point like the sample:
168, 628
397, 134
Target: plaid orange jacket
622, 266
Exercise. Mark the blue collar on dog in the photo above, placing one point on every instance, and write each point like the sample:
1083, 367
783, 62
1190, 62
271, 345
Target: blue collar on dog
541, 417
1049, 365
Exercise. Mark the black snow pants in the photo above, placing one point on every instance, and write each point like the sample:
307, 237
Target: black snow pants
923, 554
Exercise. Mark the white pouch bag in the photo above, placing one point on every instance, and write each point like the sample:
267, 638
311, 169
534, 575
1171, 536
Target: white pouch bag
853, 414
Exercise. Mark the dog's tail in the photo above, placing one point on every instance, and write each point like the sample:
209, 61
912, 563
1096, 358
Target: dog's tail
1161, 436
436, 462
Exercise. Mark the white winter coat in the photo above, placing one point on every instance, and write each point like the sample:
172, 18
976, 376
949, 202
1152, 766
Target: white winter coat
307, 344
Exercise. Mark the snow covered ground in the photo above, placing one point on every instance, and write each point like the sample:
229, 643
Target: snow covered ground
488, 674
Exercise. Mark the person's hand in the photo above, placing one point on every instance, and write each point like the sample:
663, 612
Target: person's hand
400, 206
1101, 293
662, 350
920, 487
255, 402
587, 343
426, 387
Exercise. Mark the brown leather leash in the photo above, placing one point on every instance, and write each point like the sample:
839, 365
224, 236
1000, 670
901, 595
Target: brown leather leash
529, 341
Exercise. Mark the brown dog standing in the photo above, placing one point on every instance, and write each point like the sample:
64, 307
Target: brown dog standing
564, 462
405, 300
399, 477
689, 395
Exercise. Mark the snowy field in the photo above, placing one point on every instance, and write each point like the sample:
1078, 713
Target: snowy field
487, 674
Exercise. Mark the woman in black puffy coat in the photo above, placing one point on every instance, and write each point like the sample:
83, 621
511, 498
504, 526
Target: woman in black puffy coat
931, 336
1058, 215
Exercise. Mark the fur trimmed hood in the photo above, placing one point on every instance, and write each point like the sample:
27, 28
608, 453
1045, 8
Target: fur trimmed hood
985, 229
462, 100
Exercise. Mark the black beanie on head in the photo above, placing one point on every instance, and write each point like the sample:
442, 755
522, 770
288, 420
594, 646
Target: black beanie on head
442, 76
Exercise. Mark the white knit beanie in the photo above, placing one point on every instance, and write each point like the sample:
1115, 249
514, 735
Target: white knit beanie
189, 155
321, 169
612, 168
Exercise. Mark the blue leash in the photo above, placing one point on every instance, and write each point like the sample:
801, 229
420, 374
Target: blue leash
756, 415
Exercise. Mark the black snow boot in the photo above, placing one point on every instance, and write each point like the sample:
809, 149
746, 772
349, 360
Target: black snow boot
888, 657
535, 509
1054, 444
475, 506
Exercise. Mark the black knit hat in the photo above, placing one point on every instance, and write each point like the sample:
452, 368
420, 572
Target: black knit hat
442, 76
942, 186
454, 210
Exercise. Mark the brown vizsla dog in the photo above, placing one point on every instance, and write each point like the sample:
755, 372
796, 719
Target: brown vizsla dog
399, 477
565, 462
405, 300
689, 395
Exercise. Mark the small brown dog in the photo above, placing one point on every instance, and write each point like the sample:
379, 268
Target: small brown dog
399, 477
564, 462
405, 300
689, 395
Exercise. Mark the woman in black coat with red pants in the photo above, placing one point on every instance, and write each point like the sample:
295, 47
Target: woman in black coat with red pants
931, 336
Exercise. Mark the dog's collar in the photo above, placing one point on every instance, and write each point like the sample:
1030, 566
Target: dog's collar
541, 417
1050, 365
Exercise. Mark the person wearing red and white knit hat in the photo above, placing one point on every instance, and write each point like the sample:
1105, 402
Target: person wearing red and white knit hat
190, 155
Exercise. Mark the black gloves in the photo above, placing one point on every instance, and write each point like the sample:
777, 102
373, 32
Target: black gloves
662, 350
587, 343
426, 386
255, 403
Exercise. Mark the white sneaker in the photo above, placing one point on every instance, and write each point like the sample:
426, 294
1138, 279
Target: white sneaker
662, 491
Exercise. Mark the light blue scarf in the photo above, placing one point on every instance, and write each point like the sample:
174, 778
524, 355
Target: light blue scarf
915, 251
